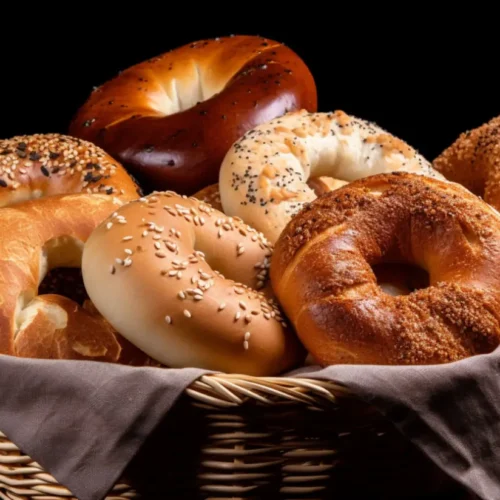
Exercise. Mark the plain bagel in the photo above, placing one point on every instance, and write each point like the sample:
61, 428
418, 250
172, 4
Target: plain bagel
171, 119
263, 178
322, 272
39, 165
189, 287
35, 237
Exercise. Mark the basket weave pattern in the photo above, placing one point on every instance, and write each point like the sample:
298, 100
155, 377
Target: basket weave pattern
262, 438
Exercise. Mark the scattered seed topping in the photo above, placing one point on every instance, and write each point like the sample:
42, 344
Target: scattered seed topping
55, 154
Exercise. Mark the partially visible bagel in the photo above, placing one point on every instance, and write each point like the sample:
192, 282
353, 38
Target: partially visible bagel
35, 237
473, 160
34, 166
264, 176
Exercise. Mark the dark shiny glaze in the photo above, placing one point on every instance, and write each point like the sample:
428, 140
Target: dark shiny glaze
183, 151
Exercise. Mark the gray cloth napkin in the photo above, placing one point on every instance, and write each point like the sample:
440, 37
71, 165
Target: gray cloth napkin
84, 421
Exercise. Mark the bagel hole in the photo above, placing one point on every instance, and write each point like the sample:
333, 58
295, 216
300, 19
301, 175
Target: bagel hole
400, 278
60, 269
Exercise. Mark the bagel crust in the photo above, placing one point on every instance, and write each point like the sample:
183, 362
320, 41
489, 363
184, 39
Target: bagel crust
321, 272
189, 287
263, 178
473, 160
37, 236
171, 119
34, 166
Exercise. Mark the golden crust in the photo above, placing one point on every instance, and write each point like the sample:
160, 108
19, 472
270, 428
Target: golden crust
473, 160
321, 272
38, 165
36, 236
189, 286
211, 196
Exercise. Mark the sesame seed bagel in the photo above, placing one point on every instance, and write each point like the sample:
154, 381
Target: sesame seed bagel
189, 286
170, 120
473, 161
37, 236
322, 272
34, 166
263, 177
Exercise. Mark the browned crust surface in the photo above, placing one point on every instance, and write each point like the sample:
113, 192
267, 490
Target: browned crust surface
321, 272
473, 160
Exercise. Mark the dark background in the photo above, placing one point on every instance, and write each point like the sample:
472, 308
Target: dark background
424, 78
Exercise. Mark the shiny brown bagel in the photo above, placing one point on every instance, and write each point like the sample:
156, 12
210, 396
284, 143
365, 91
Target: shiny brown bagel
171, 119
473, 161
322, 272
189, 286
35, 237
34, 166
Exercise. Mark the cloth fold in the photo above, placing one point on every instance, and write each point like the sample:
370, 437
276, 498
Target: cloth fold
85, 421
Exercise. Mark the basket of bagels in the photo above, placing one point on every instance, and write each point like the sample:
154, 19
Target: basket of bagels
210, 288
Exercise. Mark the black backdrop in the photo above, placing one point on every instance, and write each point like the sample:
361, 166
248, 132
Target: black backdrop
424, 79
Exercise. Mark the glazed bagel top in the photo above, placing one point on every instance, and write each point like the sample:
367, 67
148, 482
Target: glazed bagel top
171, 119
39, 165
263, 178
322, 272
473, 160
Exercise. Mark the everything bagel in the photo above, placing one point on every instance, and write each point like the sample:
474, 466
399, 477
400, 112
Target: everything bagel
322, 272
263, 178
35, 237
171, 119
188, 286
472, 160
34, 166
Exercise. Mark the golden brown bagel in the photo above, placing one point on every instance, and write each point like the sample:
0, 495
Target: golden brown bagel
179, 280
34, 166
171, 119
263, 177
321, 272
473, 160
36, 236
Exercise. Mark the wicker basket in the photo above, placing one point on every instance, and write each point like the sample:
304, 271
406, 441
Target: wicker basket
238, 437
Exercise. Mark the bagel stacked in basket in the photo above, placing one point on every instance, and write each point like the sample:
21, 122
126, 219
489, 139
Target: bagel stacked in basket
221, 221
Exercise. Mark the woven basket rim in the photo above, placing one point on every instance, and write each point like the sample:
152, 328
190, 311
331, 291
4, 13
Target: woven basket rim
230, 390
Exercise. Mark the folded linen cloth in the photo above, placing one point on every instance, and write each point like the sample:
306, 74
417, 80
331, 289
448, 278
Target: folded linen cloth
84, 421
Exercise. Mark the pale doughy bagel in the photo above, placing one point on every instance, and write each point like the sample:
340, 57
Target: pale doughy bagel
35, 237
322, 272
179, 280
263, 177
34, 166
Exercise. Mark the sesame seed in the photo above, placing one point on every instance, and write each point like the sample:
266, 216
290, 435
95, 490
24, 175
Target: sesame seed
161, 255
119, 261
168, 320
128, 251
172, 273
222, 306
237, 316
187, 313
179, 275
127, 238
242, 305
245, 345
198, 297
181, 295
109, 225
127, 262
157, 245
247, 335
145, 233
